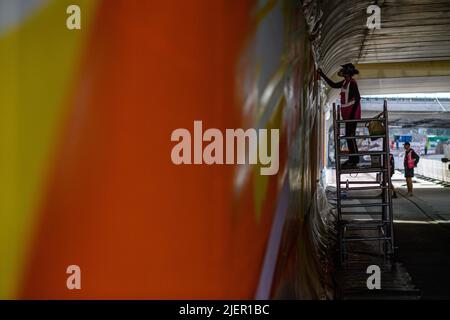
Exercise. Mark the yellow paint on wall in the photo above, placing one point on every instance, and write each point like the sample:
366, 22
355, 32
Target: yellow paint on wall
38, 62
264, 10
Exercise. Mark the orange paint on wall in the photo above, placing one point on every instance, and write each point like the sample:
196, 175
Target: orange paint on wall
138, 225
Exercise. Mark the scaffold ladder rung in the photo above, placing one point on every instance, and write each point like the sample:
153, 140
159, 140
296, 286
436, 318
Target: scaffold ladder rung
365, 188
361, 137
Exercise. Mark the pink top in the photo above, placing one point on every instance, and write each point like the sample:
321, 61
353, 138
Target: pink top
347, 105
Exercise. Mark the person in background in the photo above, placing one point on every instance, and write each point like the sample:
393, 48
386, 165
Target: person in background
392, 164
410, 162
391, 186
350, 106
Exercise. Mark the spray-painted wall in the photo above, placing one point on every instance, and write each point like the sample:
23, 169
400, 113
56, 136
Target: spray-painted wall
86, 174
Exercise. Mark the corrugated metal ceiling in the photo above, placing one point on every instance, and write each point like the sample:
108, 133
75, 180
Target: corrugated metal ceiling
411, 30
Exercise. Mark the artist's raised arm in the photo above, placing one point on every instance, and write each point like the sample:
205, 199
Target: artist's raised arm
335, 85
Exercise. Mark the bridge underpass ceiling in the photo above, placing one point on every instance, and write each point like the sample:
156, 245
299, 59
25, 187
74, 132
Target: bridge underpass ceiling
409, 54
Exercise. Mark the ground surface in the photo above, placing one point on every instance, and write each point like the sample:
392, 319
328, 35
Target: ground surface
421, 268
422, 231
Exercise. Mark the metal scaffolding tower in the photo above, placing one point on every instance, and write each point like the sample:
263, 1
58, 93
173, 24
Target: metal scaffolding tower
364, 224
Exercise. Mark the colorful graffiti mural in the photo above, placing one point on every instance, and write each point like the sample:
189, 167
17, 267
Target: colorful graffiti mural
85, 137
